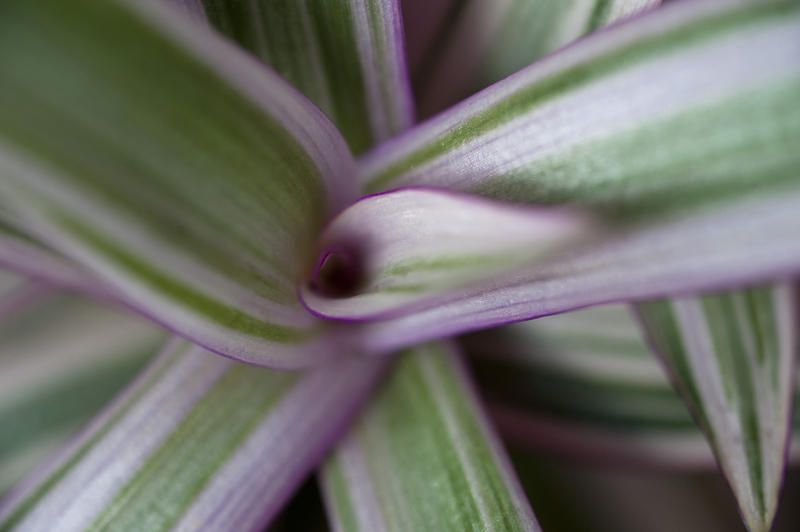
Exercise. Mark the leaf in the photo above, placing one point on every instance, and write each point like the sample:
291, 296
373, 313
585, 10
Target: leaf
482, 42
17, 294
423, 457
585, 386
61, 359
692, 103
179, 171
404, 247
347, 56
197, 441
732, 357
192, 8
482, 266
22, 254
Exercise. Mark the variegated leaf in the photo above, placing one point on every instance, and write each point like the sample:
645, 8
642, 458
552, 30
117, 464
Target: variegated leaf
61, 359
197, 442
691, 103
481, 42
584, 385
423, 457
732, 357
347, 56
178, 170
422, 264
25, 255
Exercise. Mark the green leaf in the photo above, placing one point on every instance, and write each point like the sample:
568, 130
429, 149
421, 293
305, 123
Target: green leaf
347, 56
423, 264
21, 253
584, 385
197, 441
632, 121
732, 357
482, 42
61, 360
423, 457
174, 167
412, 246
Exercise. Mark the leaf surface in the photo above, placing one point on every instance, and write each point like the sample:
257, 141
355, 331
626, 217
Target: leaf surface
423, 456
178, 170
347, 56
479, 43
196, 442
424, 264
61, 359
691, 103
732, 357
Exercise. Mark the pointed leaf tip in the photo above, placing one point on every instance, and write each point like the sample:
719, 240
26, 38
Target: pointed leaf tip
732, 357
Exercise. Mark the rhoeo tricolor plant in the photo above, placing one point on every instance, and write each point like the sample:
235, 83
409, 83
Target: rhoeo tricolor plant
249, 176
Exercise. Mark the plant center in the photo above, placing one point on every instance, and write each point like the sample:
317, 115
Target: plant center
339, 273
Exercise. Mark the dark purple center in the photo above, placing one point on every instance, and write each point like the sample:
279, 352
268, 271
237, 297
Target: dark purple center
339, 273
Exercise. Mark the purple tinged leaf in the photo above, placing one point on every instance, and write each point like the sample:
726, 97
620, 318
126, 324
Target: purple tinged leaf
192, 8
482, 42
584, 386
394, 251
61, 359
193, 184
29, 258
346, 56
16, 299
742, 241
732, 358
423, 456
250, 434
694, 101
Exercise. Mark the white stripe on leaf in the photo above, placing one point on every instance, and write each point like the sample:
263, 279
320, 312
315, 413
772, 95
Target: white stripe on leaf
733, 362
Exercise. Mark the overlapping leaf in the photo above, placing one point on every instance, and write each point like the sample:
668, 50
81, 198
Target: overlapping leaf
692, 178
745, 240
197, 442
694, 101
423, 457
402, 248
174, 167
18, 293
584, 385
25, 255
481, 42
732, 357
199, 221
347, 56
61, 359
552, 181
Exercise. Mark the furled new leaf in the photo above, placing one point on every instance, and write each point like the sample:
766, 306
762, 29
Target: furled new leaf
510, 263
